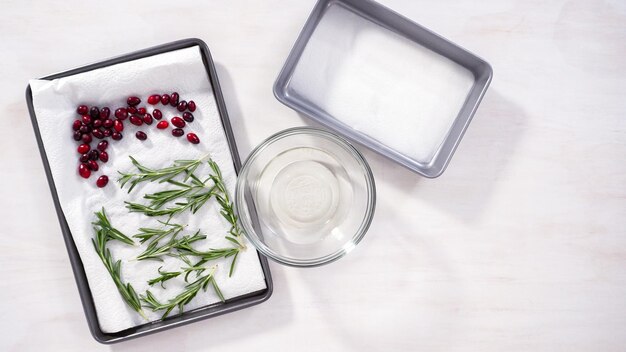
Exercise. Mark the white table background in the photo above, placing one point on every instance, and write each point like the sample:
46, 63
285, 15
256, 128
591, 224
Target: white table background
519, 246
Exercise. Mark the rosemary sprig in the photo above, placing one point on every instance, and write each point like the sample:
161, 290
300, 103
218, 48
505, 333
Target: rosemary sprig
103, 235
156, 235
191, 290
154, 251
163, 276
104, 223
186, 167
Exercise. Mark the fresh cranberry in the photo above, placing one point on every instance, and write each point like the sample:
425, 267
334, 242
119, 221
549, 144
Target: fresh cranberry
84, 158
83, 148
162, 125
92, 165
94, 112
107, 123
182, 106
77, 136
76, 125
132, 110
97, 133
84, 171
154, 99
147, 119
84, 129
93, 154
97, 123
178, 122
106, 112
118, 125
177, 132
86, 138
141, 135
117, 136
102, 146
121, 114
191, 105
86, 119
107, 132
165, 99
157, 114
187, 116
142, 111
174, 99
82, 109
191, 137
104, 156
136, 120
102, 181
133, 101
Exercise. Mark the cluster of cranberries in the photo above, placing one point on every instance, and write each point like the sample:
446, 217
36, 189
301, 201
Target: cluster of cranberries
97, 123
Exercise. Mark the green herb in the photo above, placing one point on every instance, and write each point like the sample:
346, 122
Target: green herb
186, 167
163, 276
191, 290
104, 223
154, 251
103, 235
158, 234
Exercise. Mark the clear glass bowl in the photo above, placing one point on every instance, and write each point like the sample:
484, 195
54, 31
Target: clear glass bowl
305, 197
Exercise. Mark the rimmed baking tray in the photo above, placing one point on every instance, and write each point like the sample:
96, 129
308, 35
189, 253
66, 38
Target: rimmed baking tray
77, 266
386, 20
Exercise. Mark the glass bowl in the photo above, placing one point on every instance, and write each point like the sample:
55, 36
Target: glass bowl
305, 197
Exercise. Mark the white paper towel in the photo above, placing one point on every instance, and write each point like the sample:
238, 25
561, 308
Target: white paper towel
55, 105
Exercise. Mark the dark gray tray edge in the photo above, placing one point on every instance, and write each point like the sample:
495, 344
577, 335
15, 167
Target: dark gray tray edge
76, 263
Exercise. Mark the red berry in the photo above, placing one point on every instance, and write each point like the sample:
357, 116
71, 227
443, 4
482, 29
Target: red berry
174, 99
132, 110
84, 158
154, 99
178, 122
142, 111
82, 109
105, 113
182, 106
157, 114
104, 156
76, 125
102, 181
117, 136
94, 112
191, 137
107, 123
86, 119
97, 133
92, 165
165, 99
93, 154
136, 120
187, 116
133, 101
102, 146
121, 114
84, 129
86, 138
147, 119
191, 106
177, 132
96, 123
77, 136
118, 125
83, 148
162, 125
84, 171
107, 132
142, 136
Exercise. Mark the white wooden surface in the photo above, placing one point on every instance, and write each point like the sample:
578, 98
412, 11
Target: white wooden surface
519, 246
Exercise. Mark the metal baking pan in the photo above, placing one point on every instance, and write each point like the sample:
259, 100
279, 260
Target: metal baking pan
387, 20
77, 266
